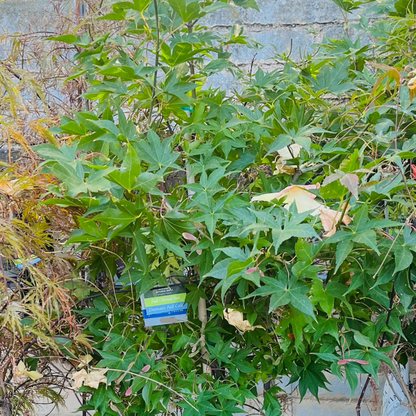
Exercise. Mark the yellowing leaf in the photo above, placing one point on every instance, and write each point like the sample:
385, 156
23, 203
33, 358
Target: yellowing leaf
235, 318
304, 200
289, 152
78, 378
330, 218
412, 87
21, 370
91, 379
281, 167
34, 375
84, 360
95, 377
391, 74
350, 181
7, 187
83, 339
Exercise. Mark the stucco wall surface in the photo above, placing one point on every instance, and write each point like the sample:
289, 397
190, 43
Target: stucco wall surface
25, 14
281, 26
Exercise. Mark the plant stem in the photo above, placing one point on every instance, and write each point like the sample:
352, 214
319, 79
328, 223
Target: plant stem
180, 395
383, 338
404, 387
157, 47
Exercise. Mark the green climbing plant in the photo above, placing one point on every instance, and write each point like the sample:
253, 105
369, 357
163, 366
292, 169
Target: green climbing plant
289, 203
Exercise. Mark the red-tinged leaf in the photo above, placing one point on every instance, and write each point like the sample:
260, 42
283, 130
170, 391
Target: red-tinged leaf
145, 369
189, 236
351, 360
391, 74
350, 181
331, 178
128, 392
413, 171
255, 269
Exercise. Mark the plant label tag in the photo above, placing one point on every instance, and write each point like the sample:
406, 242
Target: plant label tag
164, 305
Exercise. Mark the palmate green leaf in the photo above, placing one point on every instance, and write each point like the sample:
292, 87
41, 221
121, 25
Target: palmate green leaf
326, 356
343, 250
360, 219
217, 65
64, 154
333, 78
385, 275
240, 361
233, 252
271, 405
139, 250
147, 181
219, 271
362, 339
321, 296
304, 251
351, 370
372, 366
326, 325
368, 238
139, 5
312, 379
299, 300
302, 269
236, 269
116, 217
96, 181
403, 257
186, 11
181, 52
172, 86
122, 178
129, 169
281, 141
101, 396
409, 237
279, 298
271, 286
158, 153
349, 5
292, 228
67, 38
221, 351
404, 291
90, 228
73, 179
237, 266
210, 220
162, 243
283, 293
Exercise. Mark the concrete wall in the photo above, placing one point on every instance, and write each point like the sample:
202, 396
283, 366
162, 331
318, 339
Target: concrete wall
28, 15
281, 26
290, 26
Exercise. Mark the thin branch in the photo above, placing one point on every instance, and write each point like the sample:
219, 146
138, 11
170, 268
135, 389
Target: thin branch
381, 343
180, 395
157, 46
